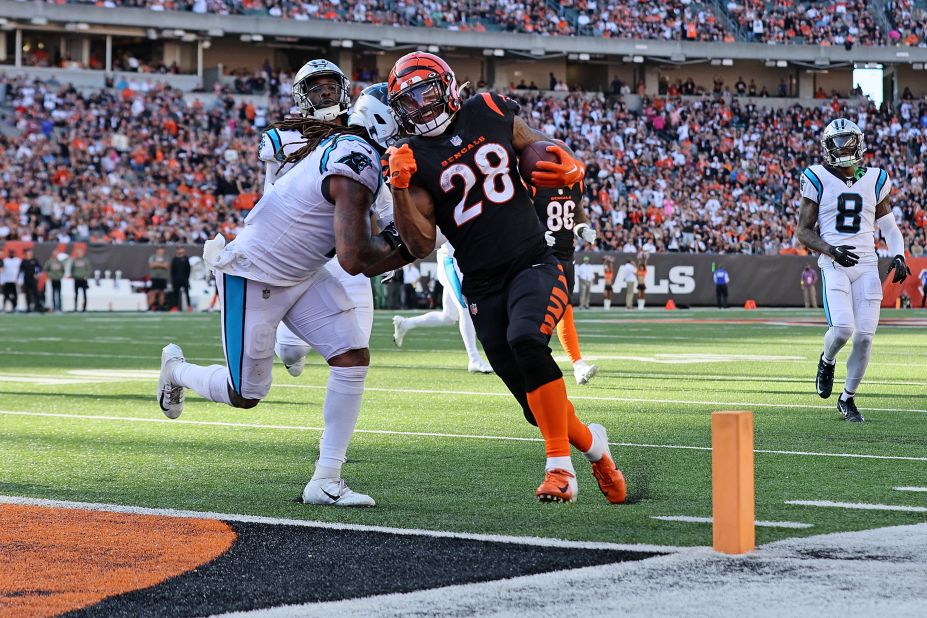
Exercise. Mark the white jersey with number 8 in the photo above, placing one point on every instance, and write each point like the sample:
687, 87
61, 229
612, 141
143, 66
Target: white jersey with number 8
846, 210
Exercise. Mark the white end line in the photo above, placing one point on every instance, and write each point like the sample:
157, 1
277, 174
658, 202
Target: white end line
707, 520
859, 505
910, 489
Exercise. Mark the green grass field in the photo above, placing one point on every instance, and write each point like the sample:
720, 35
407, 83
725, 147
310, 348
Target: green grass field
442, 449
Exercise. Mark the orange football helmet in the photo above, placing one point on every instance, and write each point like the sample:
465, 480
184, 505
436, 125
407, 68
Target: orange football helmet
423, 93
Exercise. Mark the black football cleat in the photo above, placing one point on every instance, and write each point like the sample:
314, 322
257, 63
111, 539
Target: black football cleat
825, 379
849, 411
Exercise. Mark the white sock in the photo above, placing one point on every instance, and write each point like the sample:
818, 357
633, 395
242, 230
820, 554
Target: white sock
834, 340
845, 395
597, 450
564, 463
858, 361
431, 319
340, 410
468, 335
607, 304
290, 354
210, 382
580, 364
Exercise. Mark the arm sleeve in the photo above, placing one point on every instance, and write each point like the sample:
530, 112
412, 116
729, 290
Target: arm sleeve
892, 235
269, 146
811, 186
354, 158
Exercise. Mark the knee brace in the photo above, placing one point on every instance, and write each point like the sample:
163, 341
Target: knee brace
534, 358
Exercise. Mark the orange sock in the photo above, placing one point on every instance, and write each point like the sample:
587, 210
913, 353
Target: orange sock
580, 436
566, 332
549, 404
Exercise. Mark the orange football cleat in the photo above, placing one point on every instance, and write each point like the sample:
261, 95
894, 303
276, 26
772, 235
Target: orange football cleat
610, 479
559, 486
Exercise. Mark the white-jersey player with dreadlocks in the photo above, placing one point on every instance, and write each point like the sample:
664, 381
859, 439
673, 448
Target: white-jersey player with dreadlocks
845, 202
370, 111
274, 271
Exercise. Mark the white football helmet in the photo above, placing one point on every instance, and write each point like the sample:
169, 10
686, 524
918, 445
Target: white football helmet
371, 110
312, 100
843, 144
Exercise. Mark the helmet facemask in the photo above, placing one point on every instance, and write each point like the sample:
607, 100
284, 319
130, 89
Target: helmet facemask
423, 108
323, 96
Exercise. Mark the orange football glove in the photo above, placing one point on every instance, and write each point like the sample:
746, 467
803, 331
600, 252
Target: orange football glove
554, 175
401, 166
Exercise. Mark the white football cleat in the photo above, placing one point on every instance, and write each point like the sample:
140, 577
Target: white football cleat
399, 330
480, 366
583, 372
296, 369
334, 492
170, 395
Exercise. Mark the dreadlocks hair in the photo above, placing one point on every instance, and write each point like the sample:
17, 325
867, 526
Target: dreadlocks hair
314, 131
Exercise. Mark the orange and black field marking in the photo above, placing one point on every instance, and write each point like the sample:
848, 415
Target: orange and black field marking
77, 562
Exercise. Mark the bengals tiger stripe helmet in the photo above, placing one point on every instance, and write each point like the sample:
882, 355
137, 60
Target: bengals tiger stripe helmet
423, 93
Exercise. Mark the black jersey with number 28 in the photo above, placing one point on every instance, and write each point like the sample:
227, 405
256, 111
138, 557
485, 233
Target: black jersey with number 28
556, 208
481, 204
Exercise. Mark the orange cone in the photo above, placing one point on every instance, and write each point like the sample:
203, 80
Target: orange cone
670, 305
750, 304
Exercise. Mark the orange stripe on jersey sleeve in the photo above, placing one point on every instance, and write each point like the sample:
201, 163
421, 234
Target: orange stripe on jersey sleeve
490, 103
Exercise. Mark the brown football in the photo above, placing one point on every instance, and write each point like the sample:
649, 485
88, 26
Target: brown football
529, 157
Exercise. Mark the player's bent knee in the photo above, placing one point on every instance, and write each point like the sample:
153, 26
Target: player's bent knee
241, 402
351, 358
536, 362
290, 354
842, 333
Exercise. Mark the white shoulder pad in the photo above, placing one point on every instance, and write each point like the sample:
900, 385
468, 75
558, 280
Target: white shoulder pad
276, 144
812, 187
883, 186
352, 157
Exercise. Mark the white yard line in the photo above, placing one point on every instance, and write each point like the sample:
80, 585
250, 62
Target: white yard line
859, 505
707, 520
919, 489
425, 434
276, 521
751, 404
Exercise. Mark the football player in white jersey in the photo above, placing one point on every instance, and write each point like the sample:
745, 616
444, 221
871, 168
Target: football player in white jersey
845, 202
454, 310
369, 111
275, 271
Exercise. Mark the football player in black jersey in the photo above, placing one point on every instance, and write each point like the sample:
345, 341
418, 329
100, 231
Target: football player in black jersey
561, 213
459, 171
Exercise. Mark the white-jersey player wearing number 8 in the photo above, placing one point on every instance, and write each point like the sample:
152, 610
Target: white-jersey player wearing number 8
847, 202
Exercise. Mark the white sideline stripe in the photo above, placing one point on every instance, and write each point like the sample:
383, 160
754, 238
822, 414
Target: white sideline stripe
859, 505
425, 391
426, 434
306, 523
707, 520
910, 488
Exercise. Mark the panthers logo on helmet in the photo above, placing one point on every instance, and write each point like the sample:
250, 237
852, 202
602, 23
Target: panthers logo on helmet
356, 161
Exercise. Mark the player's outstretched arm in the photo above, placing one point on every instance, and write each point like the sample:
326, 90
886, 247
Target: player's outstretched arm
355, 247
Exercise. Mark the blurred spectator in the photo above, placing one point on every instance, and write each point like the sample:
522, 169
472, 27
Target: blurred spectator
81, 270
10, 278
54, 270
410, 276
641, 283
31, 269
809, 291
628, 274
608, 280
158, 270
585, 276
180, 278
722, 279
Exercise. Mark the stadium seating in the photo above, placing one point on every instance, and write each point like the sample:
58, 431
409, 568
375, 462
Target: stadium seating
849, 22
688, 174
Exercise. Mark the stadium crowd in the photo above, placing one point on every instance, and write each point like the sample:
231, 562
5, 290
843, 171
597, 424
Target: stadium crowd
847, 22
142, 163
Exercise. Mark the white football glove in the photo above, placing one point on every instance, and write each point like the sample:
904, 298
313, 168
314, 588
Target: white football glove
549, 238
585, 232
